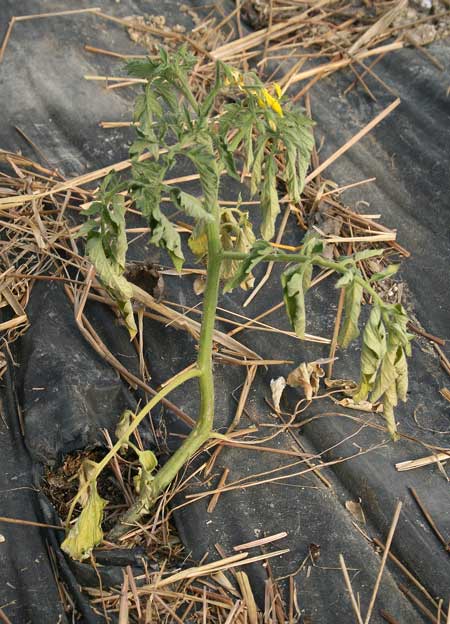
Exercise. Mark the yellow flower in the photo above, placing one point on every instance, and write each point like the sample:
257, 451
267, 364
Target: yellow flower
278, 91
276, 106
266, 100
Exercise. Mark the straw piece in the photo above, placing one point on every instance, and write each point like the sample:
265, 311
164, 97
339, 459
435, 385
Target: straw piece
357, 137
390, 537
261, 542
247, 595
348, 584
378, 28
326, 68
411, 464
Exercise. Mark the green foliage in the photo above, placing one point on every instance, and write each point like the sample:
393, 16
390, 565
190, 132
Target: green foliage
267, 131
146, 459
352, 309
384, 368
106, 246
272, 141
259, 250
295, 281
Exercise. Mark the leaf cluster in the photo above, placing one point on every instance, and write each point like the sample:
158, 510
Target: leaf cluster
107, 245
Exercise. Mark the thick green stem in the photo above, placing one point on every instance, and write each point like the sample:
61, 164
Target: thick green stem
202, 430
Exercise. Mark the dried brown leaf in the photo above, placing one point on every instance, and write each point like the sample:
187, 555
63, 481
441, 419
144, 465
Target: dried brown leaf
306, 376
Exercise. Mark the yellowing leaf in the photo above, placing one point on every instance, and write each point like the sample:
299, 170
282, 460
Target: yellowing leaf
198, 240
122, 427
148, 462
87, 532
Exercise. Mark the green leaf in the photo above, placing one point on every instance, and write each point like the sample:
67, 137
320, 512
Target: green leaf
255, 180
401, 370
367, 253
257, 253
312, 245
291, 177
227, 157
189, 204
390, 270
269, 199
86, 228
110, 275
345, 279
164, 234
372, 353
386, 376
202, 156
295, 282
87, 532
248, 143
389, 402
148, 460
352, 308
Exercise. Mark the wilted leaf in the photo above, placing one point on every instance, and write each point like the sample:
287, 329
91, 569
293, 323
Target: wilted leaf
189, 204
277, 387
363, 406
198, 240
110, 274
352, 308
202, 156
344, 384
390, 270
295, 282
148, 463
389, 402
367, 253
146, 191
372, 353
269, 199
256, 171
345, 280
306, 376
256, 254
165, 235
124, 423
87, 532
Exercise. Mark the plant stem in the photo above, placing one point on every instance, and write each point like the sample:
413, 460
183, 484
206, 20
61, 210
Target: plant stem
202, 430
171, 385
339, 267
